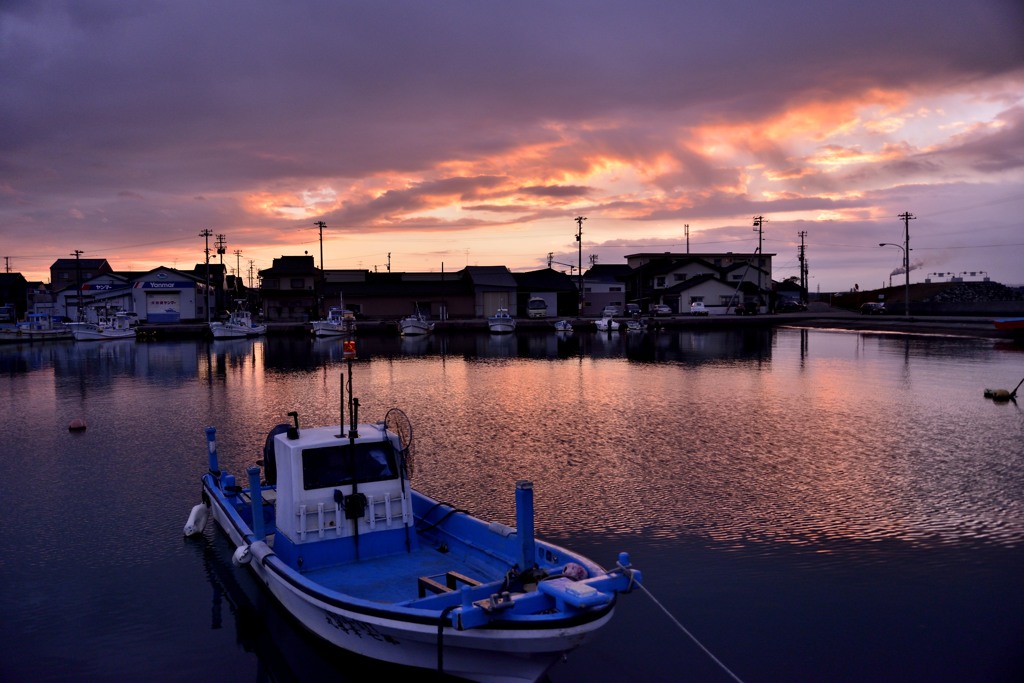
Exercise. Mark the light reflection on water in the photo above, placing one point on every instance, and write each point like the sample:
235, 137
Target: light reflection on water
812, 457
792, 437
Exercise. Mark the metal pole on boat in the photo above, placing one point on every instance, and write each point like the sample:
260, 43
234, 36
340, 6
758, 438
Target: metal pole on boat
353, 434
211, 447
256, 495
524, 524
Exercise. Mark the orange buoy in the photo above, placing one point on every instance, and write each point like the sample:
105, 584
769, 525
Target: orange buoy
77, 425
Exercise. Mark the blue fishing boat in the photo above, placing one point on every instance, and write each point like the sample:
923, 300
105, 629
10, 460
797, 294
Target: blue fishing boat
329, 522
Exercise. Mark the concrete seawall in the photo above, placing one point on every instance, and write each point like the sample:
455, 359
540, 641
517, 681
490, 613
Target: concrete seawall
971, 326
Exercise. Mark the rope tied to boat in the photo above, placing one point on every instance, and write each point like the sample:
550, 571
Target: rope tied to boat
427, 527
631, 573
440, 636
683, 629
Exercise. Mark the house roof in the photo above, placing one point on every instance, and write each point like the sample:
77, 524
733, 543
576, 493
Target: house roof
546, 279
291, 265
491, 276
84, 263
608, 272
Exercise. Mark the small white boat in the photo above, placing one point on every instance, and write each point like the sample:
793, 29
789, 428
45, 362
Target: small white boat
501, 322
415, 324
563, 326
339, 321
239, 324
636, 325
332, 527
606, 324
117, 326
36, 327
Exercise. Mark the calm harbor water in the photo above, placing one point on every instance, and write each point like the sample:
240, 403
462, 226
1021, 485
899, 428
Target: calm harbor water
812, 505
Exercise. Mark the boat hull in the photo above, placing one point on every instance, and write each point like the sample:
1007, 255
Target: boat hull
1009, 324
92, 332
413, 328
12, 335
493, 653
326, 329
229, 331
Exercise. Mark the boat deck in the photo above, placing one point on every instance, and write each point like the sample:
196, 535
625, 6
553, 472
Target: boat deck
396, 578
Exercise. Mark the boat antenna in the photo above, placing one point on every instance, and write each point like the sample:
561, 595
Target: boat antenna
355, 502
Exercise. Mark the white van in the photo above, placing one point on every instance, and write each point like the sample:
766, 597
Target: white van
537, 308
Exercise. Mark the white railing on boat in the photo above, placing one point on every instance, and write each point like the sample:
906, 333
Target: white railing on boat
331, 517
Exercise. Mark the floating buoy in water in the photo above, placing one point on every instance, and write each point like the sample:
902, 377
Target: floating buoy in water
77, 425
1003, 394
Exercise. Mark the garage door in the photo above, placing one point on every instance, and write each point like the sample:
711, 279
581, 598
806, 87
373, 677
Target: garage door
163, 307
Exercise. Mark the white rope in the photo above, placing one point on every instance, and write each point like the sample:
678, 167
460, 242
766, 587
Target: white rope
690, 635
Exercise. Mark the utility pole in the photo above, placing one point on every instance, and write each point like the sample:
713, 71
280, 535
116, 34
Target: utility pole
78, 277
389, 261
222, 247
686, 227
238, 270
803, 265
758, 228
319, 295
907, 217
579, 241
206, 233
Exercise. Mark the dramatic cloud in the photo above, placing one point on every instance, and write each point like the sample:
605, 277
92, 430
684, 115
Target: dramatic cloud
475, 132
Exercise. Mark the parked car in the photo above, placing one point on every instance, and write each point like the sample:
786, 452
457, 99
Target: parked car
609, 311
697, 308
659, 309
872, 308
633, 310
789, 306
747, 308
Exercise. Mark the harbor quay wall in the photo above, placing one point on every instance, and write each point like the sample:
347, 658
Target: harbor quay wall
973, 325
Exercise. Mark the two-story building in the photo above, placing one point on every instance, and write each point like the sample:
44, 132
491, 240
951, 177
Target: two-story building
718, 280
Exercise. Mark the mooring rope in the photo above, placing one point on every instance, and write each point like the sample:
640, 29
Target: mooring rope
690, 635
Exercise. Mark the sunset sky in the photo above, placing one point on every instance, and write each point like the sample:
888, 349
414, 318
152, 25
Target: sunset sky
474, 132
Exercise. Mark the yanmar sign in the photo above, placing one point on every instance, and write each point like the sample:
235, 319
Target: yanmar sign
149, 284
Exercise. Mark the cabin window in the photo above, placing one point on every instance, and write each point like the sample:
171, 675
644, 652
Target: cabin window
331, 466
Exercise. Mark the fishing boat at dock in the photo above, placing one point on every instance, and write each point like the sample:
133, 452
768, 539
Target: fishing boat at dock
501, 322
238, 326
36, 327
415, 325
107, 327
330, 523
340, 321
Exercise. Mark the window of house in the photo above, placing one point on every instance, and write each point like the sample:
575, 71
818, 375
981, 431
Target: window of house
298, 283
680, 277
615, 289
659, 281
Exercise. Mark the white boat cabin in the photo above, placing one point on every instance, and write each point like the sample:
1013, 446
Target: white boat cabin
324, 514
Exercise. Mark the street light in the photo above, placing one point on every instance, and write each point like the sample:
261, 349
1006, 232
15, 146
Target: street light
906, 270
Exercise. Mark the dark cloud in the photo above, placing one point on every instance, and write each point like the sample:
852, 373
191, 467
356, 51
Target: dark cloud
165, 117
